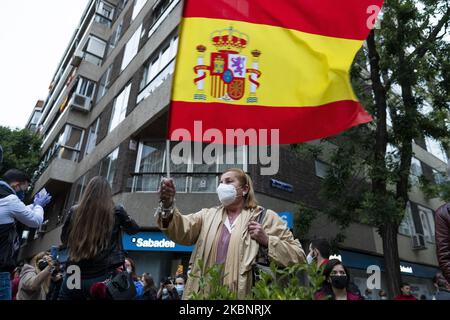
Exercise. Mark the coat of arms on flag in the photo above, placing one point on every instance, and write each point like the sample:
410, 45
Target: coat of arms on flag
228, 68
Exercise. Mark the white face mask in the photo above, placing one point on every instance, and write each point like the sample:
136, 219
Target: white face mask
227, 193
310, 258
129, 270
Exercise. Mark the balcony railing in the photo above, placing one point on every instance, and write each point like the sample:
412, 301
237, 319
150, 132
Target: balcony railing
185, 182
60, 152
92, 59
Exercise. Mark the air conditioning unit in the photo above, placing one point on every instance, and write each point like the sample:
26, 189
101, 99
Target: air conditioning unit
418, 242
80, 102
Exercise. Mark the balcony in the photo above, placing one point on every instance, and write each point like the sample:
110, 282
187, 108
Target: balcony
55, 171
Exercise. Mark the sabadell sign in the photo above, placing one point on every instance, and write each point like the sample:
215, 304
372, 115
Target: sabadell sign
158, 241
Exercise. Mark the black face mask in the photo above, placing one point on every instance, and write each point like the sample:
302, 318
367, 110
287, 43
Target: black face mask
339, 282
42, 264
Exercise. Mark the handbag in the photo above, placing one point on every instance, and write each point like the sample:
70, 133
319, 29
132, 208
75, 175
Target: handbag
262, 263
121, 286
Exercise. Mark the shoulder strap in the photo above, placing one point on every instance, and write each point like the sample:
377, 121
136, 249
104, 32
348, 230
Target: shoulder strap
262, 215
263, 253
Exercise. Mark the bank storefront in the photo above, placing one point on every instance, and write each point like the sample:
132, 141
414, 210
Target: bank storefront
156, 254
419, 276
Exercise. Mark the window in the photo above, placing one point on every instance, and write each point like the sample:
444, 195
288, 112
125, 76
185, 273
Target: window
104, 83
70, 142
131, 48
96, 46
138, 5
80, 185
85, 87
439, 177
36, 117
95, 50
108, 166
416, 171
92, 136
119, 110
159, 9
407, 225
115, 37
321, 168
427, 220
158, 68
106, 10
436, 149
104, 13
120, 6
188, 176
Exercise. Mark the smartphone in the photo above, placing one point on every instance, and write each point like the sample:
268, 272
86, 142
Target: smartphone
54, 253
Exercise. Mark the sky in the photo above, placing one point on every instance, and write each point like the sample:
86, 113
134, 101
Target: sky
33, 37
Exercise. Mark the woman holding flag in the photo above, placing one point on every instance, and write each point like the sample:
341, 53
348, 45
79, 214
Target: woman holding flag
230, 234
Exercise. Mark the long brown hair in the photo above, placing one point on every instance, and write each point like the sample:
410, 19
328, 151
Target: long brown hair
244, 179
34, 263
91, 228
148, 281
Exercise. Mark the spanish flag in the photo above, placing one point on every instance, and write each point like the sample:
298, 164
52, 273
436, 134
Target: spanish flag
269, 64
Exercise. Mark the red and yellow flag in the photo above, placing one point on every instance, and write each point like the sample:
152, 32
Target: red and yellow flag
265, 64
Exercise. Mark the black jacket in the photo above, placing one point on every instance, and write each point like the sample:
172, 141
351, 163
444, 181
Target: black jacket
113, 256
9, 240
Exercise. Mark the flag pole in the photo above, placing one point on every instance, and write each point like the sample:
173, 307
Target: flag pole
168, 158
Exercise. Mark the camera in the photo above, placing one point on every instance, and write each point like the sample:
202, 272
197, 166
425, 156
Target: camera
42, 264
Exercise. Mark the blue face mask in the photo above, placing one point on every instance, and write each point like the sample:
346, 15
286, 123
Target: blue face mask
21, 195
180, 289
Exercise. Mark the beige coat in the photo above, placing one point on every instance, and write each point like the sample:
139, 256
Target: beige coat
33, 285
203, 229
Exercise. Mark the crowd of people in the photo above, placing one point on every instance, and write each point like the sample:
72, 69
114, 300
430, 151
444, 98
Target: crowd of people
239, 234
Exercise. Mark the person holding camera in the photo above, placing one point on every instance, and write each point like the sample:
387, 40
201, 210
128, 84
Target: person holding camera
35, 278
167, 291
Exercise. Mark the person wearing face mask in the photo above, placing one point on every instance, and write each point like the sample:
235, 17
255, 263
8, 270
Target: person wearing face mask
35, 278
179, 285
131, 269
167, 291
12, 210
319, 251
229, 234
337, 283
